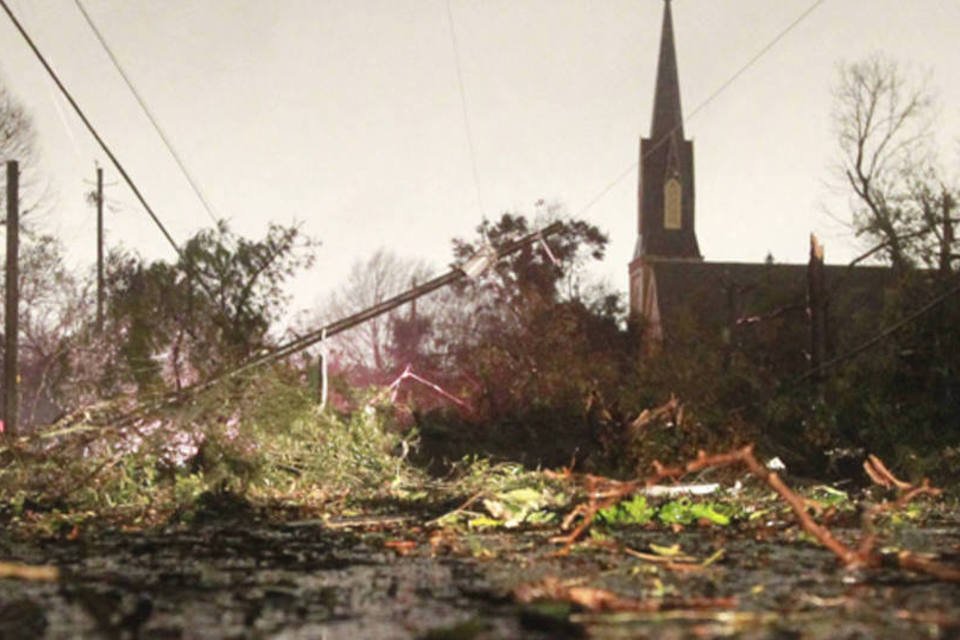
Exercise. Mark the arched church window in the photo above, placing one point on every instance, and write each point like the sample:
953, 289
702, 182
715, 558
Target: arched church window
672, 204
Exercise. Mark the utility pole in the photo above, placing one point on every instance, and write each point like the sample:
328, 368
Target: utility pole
10, 373
100, 292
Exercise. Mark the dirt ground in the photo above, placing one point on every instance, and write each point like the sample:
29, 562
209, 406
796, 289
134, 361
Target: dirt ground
244, 577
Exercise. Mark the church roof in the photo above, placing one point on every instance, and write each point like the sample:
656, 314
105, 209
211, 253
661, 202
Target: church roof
714, 294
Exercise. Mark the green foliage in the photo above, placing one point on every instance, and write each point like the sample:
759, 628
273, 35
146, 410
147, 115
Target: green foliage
262, 438
276, 441
213, 307
532, 342
831, 497
511, 495
520, 506
634, 511
685, 511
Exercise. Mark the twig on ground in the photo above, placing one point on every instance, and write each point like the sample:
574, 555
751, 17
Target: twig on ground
463, 507
652, 557
881, 475
603, 493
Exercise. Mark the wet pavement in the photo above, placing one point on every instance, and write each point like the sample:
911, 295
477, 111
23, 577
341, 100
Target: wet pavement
250, 579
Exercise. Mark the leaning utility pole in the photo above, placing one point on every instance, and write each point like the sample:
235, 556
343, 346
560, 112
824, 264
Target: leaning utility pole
471, 268
99, 250
11, 329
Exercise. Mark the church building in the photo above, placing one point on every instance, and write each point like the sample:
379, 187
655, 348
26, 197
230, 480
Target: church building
671, 285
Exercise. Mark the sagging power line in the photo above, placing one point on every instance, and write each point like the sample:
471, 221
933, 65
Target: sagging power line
93, 130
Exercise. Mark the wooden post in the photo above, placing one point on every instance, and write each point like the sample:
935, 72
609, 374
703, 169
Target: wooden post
10, 373
817, 307
323, 380
100, 288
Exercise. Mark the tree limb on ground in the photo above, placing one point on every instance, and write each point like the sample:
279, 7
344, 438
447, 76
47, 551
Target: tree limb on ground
604, 492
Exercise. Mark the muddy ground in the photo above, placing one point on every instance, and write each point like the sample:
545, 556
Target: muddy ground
247, 577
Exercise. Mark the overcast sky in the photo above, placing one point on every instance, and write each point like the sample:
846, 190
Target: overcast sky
346, 115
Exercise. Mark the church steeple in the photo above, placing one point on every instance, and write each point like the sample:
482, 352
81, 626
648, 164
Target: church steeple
666, 192
667, 114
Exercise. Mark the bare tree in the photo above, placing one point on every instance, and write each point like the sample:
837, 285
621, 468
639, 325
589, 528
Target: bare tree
902, 201
17, 138
18, 142
54, 311
51, 299
371, 281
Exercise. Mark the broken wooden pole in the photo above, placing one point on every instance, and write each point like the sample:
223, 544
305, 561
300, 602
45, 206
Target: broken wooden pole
12, 307
475, 265
470, 268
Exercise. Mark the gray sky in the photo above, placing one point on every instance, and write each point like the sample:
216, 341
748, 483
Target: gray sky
346, 115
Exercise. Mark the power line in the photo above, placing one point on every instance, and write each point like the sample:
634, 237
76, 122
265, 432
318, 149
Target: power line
756, 58
457, 273
463, 104
723, 87
93, 131
150, 116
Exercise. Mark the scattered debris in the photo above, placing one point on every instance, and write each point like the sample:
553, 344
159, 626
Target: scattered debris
604, 493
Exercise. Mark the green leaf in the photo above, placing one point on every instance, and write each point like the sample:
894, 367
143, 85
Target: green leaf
666, 552
518, 506
635, 511
483, 522
831, 496
523, 497
676, 512
708, 511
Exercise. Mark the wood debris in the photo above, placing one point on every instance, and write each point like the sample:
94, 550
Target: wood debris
604, 492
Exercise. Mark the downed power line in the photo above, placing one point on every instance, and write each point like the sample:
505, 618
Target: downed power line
470, 268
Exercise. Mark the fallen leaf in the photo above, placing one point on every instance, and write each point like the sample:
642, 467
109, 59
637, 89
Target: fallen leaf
667, 552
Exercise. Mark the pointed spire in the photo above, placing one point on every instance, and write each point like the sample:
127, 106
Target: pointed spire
667, 115
666, 159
